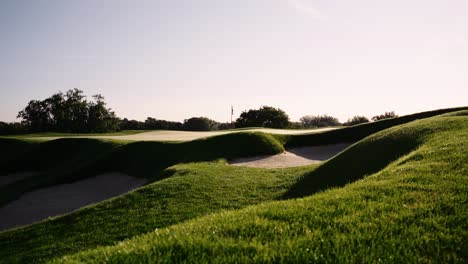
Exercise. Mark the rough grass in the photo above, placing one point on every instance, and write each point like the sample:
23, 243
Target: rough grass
413, 210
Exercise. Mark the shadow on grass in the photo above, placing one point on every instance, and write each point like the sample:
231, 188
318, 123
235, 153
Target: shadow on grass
364, 158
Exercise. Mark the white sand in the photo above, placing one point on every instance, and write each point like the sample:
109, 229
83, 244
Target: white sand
293, 157
10, 178
168, 135
60, 199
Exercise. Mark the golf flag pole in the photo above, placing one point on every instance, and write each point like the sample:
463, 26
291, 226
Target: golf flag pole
232, 112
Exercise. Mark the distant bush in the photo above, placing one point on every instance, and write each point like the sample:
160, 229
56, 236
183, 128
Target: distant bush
152, 123
13, 128
356, 120
266, 116
200, 124
225, 126
384, 116
319, 121
296, 125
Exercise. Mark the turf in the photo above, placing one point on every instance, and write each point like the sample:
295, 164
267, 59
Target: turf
358, 132
400, 164
413, 210
188, 191
56, 134
71, 159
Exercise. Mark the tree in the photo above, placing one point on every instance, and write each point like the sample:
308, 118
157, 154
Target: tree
356, 120
319, 121
69, 112
100, 118
200, 124
384, 116
36, 115
266, 116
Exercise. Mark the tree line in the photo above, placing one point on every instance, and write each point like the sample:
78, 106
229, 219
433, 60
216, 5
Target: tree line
71, 112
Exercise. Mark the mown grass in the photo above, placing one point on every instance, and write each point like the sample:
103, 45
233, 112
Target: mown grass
189, 190
57, 134
413, 210
358, 132
71, 159
193, 190
196, 189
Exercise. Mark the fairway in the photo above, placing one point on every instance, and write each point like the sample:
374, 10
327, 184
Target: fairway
168, 135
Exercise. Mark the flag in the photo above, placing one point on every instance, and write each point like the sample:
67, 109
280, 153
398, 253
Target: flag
232, 110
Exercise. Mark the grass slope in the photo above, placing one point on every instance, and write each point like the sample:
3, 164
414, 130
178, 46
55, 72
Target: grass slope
189, 190
414, 210
193, 190
57, 134
358, 132
70, 159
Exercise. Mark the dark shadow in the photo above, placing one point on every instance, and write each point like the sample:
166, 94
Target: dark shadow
320, 152
361, 159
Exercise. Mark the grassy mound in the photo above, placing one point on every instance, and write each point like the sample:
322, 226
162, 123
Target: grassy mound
189, 191
70, 159
413, 210
358, 132
197, 189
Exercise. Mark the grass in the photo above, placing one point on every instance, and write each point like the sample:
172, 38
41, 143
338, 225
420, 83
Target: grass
197, 206
412, 210
352, 220
71, 159
57, 134
358, 132
188, 191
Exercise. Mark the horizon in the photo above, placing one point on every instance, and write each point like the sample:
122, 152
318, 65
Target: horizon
173, 60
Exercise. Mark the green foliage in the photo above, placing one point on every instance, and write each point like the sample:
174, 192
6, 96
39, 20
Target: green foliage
356, 120
13, 128
69, 112
319, 121
266, 116
384, 116
411, 211
200, 124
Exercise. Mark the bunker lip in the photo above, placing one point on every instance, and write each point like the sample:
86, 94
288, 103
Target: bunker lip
52, 201
293, 157
170, 135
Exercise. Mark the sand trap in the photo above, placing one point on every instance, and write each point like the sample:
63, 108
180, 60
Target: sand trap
168, 135
10, 178
60, 199
293, 157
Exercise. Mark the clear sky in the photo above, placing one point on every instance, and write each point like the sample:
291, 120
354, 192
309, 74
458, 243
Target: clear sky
175, 59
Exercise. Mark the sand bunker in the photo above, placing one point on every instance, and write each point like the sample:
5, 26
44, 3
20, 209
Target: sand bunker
10, 178
167, 135
60, 199
293, 157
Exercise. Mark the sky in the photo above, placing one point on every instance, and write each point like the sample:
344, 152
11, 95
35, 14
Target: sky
177, 59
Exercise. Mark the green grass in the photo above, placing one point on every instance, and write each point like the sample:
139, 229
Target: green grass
57, 134
358, 132
71, 159
412, 165
189, 190
351, 220
412, 210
